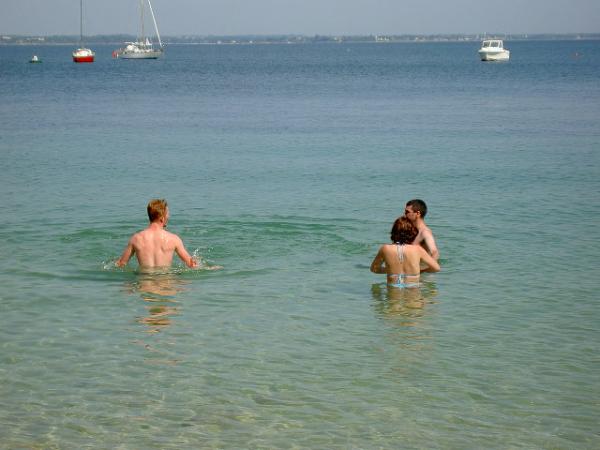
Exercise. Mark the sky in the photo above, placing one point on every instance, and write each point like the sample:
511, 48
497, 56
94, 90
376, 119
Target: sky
304, 17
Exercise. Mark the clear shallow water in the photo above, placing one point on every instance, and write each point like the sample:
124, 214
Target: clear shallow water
287, 165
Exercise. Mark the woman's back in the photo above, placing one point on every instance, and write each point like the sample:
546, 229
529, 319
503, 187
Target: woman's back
402, 263
402, 259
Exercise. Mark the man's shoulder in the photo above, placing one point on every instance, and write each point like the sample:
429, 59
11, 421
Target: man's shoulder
137, 239
423, 228
137, 235
426, 231
172, 236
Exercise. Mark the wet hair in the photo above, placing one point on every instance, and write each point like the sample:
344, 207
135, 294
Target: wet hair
403, 231
157, 208
418, 206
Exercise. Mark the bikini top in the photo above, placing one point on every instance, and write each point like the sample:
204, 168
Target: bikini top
400, 251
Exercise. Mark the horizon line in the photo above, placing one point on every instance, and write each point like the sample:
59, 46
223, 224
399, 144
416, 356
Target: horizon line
188, 35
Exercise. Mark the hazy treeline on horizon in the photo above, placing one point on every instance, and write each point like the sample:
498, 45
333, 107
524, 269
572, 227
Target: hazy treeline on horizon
291, 38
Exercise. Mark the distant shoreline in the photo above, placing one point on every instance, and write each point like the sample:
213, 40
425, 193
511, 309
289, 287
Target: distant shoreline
116, 39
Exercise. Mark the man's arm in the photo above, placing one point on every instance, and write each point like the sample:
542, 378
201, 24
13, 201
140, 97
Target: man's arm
188, 259
378, 266
127, 254
432, 264
430, 243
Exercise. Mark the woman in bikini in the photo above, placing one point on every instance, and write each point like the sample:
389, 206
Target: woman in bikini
401, 260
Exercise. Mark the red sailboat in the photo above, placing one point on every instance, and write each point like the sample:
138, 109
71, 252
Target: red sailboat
82, 54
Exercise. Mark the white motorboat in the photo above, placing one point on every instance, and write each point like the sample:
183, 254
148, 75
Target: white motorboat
493, 50
143, 47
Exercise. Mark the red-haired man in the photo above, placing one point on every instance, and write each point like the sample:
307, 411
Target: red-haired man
154, 246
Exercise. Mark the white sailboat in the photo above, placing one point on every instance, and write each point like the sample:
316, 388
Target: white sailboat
143, 47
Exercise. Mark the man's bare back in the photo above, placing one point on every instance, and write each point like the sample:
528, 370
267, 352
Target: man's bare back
154, 246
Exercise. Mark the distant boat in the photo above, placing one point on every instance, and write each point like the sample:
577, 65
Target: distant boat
35, 59
493, 50
82, 54
143, 47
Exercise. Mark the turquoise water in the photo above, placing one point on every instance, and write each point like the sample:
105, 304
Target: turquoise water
287, 165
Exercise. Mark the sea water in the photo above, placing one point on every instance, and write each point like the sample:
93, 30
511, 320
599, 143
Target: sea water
286, 165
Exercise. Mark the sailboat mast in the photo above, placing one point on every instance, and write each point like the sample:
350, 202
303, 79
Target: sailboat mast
142, 19
155, 25
80, 23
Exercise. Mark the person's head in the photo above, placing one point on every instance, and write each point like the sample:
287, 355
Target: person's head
158, 210
403, 231
415, 209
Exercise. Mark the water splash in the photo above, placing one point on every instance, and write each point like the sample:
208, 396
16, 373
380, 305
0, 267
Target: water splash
110, 265
203, 264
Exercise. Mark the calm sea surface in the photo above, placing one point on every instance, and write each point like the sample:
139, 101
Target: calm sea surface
287, 165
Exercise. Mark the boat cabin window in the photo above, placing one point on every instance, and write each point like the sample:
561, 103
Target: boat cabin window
494, 44
486, 44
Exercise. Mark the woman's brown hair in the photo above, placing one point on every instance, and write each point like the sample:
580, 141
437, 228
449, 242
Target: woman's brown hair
403, 231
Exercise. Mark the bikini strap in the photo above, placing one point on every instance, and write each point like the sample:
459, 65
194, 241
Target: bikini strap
400, 251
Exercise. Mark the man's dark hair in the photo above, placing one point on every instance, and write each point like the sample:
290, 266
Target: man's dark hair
418, 205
